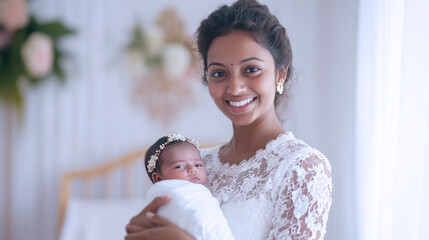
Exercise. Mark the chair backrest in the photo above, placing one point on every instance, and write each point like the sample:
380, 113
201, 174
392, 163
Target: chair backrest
123, 168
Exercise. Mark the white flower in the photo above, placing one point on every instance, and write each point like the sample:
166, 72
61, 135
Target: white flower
152, 163
13, 14
38, 55
176, 60
155, 39
179, 137
195, 143
176, 137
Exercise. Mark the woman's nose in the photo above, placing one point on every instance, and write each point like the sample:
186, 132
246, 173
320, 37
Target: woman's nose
236, 85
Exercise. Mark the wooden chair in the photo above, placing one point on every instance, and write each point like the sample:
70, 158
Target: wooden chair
104, 172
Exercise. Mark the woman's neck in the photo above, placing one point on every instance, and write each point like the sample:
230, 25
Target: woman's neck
249, 139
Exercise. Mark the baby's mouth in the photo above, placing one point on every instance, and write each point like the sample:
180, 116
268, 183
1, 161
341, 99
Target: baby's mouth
195, 179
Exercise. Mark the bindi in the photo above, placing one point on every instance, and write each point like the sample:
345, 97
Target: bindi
232, 64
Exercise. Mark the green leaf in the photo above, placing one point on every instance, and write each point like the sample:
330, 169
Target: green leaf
53, 29
154, 61
33, 80
8, 73
12, 66
9, 91
138, 40
57, 70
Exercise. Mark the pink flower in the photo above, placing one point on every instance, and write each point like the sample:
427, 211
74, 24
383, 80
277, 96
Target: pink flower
38, 55
13, 14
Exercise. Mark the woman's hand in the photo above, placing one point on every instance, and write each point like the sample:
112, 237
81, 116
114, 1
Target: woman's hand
146, 225
165, 230
142, 221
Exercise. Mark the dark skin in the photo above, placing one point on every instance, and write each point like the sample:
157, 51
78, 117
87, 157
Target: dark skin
231, 60
250, 74
147, 225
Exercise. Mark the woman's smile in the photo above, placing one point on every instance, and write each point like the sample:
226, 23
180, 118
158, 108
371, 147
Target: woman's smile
240, 103
240, 106
242, 78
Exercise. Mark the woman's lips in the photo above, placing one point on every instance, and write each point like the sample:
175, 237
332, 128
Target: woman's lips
240, 103
240, 106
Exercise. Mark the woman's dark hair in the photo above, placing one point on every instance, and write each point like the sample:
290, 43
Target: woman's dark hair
249, 16
152, 150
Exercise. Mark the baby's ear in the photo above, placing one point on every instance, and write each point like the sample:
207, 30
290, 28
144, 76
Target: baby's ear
156, 177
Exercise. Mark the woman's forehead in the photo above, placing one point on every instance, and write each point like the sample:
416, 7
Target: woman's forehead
235, 47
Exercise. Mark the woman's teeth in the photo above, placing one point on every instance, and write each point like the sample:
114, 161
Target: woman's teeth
241, 103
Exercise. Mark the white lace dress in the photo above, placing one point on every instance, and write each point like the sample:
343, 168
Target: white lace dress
283, 192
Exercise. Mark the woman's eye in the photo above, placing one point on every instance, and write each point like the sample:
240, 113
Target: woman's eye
218, 74
252, 69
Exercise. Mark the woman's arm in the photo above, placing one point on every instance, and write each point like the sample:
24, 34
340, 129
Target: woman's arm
146, 225
304, 200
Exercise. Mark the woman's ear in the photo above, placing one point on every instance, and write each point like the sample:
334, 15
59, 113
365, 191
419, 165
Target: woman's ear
282, 75
156, 177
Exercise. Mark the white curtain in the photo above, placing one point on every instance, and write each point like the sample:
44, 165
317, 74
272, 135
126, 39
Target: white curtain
392, 120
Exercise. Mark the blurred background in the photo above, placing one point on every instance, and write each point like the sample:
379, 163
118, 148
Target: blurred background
87, 82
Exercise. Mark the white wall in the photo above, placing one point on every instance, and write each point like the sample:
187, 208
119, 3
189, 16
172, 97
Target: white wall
90, 118
324, 36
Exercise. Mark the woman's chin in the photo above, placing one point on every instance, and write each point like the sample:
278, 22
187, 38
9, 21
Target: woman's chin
241, 120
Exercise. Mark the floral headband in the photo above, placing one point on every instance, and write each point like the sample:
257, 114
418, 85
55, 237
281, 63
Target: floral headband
171, 138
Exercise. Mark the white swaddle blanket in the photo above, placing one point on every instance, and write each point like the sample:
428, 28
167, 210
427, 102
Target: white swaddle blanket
192, 208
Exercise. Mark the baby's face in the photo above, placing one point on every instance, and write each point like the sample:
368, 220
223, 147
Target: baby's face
182, 161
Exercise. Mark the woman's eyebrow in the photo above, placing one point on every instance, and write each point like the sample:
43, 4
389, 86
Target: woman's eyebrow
251, 58
216, 64
241, 62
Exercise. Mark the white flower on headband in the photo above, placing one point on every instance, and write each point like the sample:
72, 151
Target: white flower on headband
176, 137
170, 138
152, 163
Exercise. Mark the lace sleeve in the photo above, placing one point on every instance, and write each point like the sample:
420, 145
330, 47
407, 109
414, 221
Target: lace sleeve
304, 199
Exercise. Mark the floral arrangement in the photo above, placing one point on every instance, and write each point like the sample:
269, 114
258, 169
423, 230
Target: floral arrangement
161, 48
162, 61
28, 49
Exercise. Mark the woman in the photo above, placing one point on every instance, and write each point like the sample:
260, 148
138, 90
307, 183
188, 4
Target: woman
269, 184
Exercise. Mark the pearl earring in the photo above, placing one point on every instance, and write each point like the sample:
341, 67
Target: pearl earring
279, 87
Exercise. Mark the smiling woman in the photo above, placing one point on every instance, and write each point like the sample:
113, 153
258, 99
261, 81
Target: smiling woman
242, 89
270, 185
90, 120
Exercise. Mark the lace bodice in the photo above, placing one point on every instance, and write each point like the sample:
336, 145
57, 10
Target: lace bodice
283, 192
